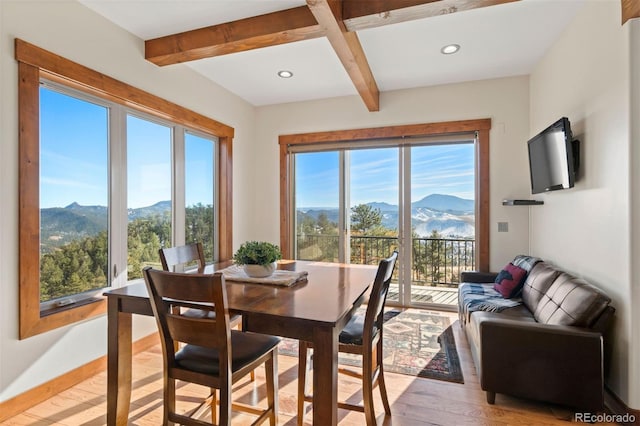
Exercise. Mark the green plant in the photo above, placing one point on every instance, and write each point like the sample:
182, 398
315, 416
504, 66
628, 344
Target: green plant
257, 253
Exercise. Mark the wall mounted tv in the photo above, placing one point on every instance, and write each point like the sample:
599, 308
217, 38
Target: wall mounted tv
553, 158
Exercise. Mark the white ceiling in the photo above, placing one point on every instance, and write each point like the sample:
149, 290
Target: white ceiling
496, 41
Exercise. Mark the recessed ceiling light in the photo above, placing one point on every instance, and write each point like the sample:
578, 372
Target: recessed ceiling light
285, 74
450, 48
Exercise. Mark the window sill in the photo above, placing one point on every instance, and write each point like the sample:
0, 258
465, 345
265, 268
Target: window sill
35, 322
74, 305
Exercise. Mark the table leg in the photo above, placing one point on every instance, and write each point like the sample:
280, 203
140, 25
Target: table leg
325, 377
118, 364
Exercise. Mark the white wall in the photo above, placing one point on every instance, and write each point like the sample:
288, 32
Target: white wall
505, 101
585, 230
73, 31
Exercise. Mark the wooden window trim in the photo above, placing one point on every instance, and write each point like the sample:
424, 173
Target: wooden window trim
480, 126
35, 63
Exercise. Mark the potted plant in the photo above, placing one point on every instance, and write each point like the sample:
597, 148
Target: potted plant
258, 258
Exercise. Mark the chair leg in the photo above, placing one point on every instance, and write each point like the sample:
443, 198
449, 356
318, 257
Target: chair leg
303, 359
271, 367
367, 390
214, 408
491, 397
225, 404
381, 384
169, 399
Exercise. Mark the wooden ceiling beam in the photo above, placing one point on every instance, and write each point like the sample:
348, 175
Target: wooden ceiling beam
630, 10
347, 46
359, 15
338, 20
271, 29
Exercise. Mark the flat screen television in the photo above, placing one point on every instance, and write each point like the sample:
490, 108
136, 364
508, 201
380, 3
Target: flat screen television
553, 158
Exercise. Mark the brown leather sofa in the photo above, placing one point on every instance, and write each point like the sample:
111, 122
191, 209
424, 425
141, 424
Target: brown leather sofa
549, 347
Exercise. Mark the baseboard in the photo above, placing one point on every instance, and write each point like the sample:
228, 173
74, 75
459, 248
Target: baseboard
617, 407
20, 403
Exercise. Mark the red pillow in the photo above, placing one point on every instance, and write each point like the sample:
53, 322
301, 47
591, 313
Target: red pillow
510, 280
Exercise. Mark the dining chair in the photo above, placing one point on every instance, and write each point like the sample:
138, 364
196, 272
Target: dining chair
175, 259
363, 336
212, 354
179, 259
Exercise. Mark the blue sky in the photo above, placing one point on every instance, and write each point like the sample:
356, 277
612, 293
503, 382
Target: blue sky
74, 164
74, 157
436, 169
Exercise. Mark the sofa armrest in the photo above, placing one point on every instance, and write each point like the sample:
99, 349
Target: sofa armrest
540, 361
478, 277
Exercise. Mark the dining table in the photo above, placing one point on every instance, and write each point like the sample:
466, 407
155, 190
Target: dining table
314, 309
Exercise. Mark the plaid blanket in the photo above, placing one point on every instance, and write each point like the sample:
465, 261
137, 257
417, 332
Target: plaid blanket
525, 262
482, 297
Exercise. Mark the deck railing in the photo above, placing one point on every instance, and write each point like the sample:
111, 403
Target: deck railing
436, 261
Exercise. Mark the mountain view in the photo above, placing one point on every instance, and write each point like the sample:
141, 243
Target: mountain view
60, 225
449, 215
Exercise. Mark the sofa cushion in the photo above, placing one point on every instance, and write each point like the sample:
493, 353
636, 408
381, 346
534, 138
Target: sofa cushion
540, 278
571, 301
510, 280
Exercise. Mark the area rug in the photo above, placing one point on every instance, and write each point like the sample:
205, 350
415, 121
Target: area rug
416, 342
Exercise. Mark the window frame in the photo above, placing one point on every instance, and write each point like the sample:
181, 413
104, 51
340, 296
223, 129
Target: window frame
35, 64
404, 135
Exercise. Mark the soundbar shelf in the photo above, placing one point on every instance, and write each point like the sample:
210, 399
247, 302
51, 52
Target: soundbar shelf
522, 202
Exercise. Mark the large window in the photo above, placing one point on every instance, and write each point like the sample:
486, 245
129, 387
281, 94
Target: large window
103, 175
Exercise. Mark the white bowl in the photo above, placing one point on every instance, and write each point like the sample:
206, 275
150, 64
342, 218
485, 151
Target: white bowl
259, 271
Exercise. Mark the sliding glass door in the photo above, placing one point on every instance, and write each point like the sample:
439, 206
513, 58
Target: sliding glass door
357, 205
441, 216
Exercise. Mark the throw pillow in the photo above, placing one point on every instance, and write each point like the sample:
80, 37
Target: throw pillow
510, 280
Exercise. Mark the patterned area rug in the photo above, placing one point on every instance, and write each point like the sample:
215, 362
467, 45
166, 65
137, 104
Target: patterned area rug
416, 342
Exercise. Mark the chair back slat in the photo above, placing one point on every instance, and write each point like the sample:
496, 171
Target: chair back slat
169, 289
173, 257
378, 296
195, 331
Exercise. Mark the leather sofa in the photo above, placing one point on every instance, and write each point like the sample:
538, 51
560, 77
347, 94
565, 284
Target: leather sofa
545, 345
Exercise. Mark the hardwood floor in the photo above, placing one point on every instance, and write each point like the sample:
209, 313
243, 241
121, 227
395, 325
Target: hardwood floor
414, 401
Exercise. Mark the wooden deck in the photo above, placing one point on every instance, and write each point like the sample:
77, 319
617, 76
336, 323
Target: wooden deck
434, 295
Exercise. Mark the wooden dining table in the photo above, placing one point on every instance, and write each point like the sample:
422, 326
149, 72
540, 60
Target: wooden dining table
314, 310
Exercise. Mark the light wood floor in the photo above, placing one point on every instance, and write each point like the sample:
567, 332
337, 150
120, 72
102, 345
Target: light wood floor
414, 401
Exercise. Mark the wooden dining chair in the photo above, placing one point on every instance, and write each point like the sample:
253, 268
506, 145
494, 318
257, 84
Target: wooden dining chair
363, 336
176, 259
212, 354
179, 259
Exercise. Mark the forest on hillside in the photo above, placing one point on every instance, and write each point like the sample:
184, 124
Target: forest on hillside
82, 264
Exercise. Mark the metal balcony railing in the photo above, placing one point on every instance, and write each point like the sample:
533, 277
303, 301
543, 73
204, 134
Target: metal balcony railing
436, 261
